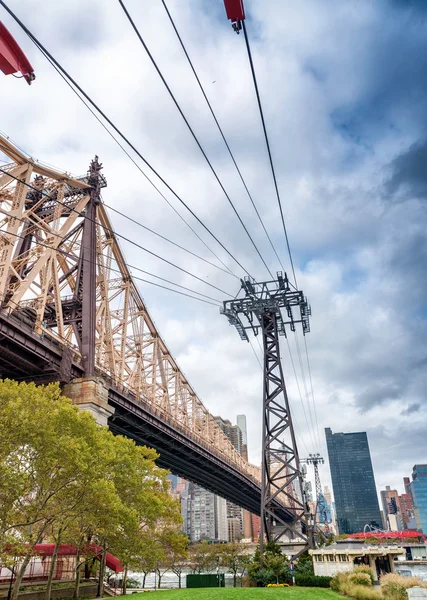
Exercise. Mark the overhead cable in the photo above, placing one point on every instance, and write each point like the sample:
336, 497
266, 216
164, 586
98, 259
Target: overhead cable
110, 122
227, 269
119, 235
35, 225
68, 255
153, 61
221, 132
273, 172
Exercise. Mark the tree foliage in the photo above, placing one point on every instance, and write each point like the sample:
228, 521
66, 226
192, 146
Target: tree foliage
275, 569
62, 477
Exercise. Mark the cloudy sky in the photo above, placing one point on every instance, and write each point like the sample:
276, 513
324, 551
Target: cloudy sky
344, 89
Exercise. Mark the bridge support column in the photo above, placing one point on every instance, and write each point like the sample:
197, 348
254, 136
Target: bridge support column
90, 393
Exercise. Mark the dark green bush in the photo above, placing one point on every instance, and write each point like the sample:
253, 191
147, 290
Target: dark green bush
312, 581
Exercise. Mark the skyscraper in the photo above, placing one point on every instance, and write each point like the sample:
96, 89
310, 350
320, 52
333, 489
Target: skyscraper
204, 514
353, 481
234, 434
418, 488
391, 509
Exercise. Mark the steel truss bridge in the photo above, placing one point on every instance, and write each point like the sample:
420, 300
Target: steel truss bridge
71, 312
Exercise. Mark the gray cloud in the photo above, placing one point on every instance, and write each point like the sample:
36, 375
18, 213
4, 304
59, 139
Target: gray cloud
410, 409
409, 174
343, 94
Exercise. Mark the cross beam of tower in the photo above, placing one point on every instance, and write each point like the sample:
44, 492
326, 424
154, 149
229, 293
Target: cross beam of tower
269, 307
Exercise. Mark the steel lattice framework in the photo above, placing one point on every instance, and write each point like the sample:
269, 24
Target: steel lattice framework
270, 307
61, 267
321, 508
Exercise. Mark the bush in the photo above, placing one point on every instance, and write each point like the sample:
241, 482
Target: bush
360, 592
360, 578
394, 586
365, 569
312, 581
338, 581
264, 577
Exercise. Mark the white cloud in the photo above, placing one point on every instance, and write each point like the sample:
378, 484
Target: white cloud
349, 240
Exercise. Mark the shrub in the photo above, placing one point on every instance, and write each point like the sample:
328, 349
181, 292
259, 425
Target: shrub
360, 578
277, 585
264, 576
394, 586
365, 569
360, 592
312, 581
338, 581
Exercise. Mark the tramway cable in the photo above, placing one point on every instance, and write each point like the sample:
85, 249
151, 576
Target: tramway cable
154, 63
110, 122
119, 235
221, 131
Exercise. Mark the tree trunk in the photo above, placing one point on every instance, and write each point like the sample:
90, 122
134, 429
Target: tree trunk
20, 574
179, 580
234, 579
160, 578
143, 580
124, 581
21, 571
52, 566
77, 581
101, 574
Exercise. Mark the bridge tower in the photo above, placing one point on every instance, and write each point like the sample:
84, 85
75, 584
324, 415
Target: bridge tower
268, 307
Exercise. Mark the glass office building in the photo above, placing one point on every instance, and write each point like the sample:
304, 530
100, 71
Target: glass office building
418, 489
353, 481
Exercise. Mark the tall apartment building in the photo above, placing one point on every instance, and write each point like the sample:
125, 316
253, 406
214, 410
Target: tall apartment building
248, 530
233, 432
353, 481
204, 514
234, 512
418, 489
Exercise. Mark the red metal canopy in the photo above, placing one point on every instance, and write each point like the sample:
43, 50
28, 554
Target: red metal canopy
12, 59
113, 562
387, 535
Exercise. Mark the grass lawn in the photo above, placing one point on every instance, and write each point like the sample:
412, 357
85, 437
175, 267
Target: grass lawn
291, 593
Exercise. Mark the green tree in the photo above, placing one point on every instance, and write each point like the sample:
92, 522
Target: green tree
173, 549
275, 568
48, 458
304, 565
202, 556
233, 558
63, 476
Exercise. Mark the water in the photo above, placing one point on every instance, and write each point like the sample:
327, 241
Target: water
416, 570
170, 580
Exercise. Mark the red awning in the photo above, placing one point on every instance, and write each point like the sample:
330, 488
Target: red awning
113, 562
387, 535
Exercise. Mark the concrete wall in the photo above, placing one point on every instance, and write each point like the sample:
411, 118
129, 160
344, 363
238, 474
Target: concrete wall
330, 569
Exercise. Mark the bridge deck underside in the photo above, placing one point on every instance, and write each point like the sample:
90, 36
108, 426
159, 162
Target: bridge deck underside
26, 356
